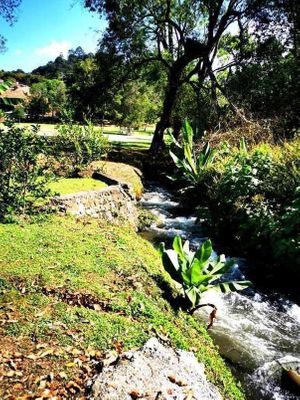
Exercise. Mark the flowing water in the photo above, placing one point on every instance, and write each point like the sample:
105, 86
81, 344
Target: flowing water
258, 333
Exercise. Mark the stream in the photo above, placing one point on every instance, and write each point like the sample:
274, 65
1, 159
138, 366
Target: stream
256, 333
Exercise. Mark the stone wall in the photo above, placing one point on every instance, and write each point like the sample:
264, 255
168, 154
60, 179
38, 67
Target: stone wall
116, 202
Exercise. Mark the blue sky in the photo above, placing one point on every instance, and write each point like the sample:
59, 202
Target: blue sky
46, 28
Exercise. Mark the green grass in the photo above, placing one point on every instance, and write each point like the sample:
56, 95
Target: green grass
111, 263
73, 185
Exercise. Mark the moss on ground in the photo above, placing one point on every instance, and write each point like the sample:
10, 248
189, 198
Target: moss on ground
123, 172
73, 185
71, 290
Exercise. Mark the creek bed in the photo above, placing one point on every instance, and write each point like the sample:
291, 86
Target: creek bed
258, 334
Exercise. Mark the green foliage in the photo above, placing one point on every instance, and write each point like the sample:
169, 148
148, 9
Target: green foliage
47, 96
4, 86
18, 113
252, 200
23, 175
270, 87
190, 165
285, 238
76, 146
136, 103
198, 272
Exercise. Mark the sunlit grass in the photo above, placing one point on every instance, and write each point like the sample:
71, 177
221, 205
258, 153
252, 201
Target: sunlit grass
112, 264
73, 185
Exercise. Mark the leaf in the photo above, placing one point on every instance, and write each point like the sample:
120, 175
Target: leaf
177, 246
205, 251
219, 267
70, 364
188, 133
170, 262
234, 286
193, 295
186, 246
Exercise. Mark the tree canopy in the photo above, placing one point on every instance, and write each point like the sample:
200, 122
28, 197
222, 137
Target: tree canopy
183, 35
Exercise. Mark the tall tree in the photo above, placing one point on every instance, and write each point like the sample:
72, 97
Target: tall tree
181, 34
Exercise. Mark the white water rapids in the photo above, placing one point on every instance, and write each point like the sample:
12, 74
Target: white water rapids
258, 333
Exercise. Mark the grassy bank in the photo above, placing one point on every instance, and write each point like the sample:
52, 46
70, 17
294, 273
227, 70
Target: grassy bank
73, 185
73, 289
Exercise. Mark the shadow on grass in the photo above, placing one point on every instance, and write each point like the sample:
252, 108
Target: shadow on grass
177, 302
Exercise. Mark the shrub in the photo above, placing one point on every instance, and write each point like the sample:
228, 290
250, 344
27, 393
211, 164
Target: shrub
250, 198
23, 177
188, 163
77, 146
253, 200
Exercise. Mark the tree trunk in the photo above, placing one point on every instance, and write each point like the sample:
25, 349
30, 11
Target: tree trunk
169, 101
193, 51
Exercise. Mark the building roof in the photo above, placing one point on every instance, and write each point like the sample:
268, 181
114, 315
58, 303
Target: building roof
19, 91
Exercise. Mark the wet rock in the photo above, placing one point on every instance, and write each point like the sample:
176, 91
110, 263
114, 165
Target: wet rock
154, 372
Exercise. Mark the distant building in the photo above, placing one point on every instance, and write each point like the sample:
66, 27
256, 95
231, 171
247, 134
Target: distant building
17, 91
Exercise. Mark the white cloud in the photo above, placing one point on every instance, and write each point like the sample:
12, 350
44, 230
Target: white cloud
54, 49
18, 52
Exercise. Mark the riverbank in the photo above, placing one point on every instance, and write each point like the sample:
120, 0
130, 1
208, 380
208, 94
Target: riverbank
73, 289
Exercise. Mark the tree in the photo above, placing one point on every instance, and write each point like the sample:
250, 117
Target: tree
183, 35
135, 104
270, 86
83, 92
47, 96
7, 11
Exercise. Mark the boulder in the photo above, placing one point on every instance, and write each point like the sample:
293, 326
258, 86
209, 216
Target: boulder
154, 372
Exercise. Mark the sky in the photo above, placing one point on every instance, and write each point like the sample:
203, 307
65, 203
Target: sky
46, 28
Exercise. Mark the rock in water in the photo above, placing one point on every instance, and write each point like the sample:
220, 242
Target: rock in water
154, 372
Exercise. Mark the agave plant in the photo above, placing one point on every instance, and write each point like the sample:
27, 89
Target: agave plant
198, 272
185, 159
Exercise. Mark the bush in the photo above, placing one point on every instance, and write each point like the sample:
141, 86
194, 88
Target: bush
77, 146
23, 177
252, 198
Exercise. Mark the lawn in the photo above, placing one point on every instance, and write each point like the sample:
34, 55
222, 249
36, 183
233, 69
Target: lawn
138, 139
73, 185
72, 290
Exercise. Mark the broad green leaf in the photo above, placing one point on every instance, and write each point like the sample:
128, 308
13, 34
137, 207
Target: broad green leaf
188, 133
170, 262
177, 245
219, 267
234, 286
186, 276
193, 295
205, 251
186, 246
